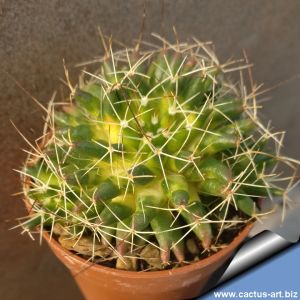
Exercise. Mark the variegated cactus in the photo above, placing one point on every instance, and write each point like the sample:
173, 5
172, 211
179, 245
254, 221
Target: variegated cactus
153, 148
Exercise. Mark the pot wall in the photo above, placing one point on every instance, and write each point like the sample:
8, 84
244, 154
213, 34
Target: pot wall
97, 282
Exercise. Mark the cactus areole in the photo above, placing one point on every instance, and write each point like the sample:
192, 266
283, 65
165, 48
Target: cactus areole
156, 158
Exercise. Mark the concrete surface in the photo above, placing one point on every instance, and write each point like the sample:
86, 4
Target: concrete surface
36, 35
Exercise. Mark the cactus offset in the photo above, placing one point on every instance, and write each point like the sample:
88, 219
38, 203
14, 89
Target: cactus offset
154, 147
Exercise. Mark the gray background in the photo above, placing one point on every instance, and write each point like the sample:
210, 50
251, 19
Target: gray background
36, 35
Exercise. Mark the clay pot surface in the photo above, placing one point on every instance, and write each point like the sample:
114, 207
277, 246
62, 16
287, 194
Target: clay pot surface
103, 283
98, 282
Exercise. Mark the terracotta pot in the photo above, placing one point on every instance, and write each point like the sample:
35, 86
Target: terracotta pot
97, 282
103, 283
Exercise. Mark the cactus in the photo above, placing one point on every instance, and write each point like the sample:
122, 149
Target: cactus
153, 148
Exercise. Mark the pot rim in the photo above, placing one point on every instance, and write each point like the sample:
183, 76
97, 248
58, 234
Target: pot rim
201, 264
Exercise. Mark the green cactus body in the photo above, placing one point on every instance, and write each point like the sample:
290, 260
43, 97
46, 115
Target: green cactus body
143, 142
